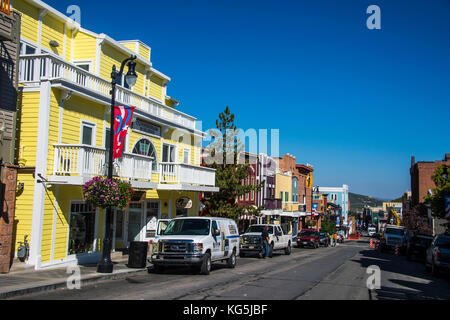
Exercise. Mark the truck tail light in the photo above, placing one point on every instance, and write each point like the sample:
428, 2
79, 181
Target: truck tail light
438, 254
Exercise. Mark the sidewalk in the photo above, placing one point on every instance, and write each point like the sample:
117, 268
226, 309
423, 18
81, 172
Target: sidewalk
23, 279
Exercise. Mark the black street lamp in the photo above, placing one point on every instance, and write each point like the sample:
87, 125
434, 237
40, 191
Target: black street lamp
105, 265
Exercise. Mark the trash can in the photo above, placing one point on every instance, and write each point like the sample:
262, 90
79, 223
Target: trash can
137, 254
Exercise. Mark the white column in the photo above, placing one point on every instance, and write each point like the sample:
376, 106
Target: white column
41, 168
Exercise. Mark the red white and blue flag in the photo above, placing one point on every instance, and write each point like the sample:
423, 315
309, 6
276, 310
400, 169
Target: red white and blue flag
122, 120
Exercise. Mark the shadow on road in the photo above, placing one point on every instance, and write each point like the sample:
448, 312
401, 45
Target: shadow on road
426, 287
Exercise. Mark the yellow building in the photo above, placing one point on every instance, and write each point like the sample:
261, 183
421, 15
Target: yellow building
63, 135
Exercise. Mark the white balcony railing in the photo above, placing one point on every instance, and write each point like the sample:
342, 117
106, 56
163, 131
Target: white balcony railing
72, 159
33, 67
186, 174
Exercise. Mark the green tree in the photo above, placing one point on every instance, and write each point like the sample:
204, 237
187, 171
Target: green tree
437, 198
328, 225
223, 155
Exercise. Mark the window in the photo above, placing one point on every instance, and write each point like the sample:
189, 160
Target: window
281, 196
286, 196
26, 48
168, 153
87, 133
145, 147
84, 64
186, 156
81, 228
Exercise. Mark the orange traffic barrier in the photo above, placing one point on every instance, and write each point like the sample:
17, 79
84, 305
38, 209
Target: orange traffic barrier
371, 243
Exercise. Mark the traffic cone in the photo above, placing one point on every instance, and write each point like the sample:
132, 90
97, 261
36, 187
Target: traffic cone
396, 249
371, 243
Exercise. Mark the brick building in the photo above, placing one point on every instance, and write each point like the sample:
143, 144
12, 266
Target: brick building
416, 215
421, 173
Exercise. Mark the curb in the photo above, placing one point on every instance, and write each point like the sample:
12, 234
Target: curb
89, 279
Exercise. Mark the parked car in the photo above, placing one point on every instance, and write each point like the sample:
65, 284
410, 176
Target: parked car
324, 239
308, 238
417, 247
251, 241
394, 236
197, 242
438, 255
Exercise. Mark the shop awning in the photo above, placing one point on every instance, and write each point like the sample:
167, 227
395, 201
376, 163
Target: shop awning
271, 212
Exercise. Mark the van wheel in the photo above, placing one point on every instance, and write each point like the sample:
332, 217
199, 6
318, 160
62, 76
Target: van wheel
231, 261
271, 250
206, 265
287, 251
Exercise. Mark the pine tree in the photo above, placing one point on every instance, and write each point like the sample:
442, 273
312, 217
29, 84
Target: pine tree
223, 155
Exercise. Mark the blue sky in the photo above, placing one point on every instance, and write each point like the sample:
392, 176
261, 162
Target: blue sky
356, 103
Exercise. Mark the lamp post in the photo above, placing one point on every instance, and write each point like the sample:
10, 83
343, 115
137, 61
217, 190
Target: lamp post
105, 265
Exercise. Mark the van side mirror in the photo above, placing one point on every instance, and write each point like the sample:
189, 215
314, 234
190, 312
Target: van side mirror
216, 232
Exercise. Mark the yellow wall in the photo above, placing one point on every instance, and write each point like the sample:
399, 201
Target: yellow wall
52, 30
84, 48
30, 18
156, 87
283, 184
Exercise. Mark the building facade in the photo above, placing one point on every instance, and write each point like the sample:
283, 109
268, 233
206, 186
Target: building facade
9, 56
64, 139
338, 196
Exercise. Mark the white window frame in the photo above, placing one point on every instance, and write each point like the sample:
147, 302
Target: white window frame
189, 155
175, 151
94, 131
90, 63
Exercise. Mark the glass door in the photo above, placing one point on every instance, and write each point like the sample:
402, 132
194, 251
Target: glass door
134, 222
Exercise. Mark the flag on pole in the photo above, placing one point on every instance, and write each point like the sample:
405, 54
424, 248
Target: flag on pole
122, 120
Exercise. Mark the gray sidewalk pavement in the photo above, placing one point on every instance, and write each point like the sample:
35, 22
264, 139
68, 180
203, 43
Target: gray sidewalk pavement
24, 280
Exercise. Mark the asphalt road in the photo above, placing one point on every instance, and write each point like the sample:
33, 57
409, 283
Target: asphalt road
318, 274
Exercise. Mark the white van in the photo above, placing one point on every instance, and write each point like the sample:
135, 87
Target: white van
197, 241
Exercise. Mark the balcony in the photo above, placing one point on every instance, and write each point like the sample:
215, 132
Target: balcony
74, 160
180, 173
272, 204
33, 67
290, 206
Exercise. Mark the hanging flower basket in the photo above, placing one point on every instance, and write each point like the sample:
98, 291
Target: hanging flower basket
102, 193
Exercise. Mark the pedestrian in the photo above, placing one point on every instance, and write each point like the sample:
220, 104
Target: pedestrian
335, 239
266, 240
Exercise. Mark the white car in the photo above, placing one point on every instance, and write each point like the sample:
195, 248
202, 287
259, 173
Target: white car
197, 242
251, 241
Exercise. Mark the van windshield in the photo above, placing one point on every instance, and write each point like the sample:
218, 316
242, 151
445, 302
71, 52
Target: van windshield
182, 227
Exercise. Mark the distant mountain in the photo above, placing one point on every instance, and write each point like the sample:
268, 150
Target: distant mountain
358, 201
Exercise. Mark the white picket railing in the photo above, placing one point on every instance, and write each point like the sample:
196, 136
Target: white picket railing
74, 159
186, 174
33, 67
